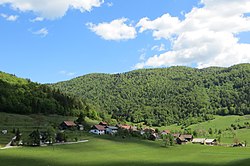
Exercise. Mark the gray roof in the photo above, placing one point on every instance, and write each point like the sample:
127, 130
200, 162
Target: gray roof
112, 127
199, 140
210, 140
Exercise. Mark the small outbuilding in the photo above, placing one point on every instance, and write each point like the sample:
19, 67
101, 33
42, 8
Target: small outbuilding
181, 140
98, 129
188, 137
111, 130
68, 125
210, 141
198, 140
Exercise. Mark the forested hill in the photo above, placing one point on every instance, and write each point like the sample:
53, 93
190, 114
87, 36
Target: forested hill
22, 96
167, 95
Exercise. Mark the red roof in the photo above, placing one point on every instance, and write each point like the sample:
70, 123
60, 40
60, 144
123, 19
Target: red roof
69, 123
103, 123
126, 127
99, 127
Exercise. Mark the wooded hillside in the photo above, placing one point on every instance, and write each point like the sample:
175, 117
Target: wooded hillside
22, 96
166, 95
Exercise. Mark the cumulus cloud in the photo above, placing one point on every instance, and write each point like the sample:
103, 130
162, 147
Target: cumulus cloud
37, 19
158, 48
9, 17
41, 32
115, 30
206, 37
52, 9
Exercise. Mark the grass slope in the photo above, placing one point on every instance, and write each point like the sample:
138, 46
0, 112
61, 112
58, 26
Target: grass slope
103, 151
221, 122
26, 124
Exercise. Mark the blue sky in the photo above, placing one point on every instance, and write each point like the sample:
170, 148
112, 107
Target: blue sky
50, 42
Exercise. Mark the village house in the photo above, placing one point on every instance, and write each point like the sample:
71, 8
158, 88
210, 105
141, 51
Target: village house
210, 142
111, 130
183, 139
98, 129
188, 137
67, 125
198, 140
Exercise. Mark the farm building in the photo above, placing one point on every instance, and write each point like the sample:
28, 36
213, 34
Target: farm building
98, 129
198, 140
181, 140
111, 129
188, 137
210, 141
67, 125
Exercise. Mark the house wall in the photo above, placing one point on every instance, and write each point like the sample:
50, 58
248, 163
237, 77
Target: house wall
98, 132
110, 131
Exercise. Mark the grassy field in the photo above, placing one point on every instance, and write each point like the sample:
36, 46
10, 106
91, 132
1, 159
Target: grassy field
109, 151
220, 123
26, 124
113, 151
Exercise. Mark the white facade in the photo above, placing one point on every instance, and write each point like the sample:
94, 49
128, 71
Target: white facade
98, 132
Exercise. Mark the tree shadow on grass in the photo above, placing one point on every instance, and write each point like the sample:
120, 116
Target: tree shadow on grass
21, 161
134, 140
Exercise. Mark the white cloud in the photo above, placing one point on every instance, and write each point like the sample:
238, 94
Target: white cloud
41, 32
9, 17
37, 19
207, 35
110, 4
52, 9
158, 48
66, 73
163, 27
115, 30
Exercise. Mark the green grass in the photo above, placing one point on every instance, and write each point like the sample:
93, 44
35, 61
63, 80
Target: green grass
109, 151
26, 124
221, 122
113, 151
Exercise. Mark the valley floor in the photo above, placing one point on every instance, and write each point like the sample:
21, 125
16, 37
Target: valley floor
105, 151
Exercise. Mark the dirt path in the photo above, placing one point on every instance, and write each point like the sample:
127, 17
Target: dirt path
68, 143
56, 144
8, 146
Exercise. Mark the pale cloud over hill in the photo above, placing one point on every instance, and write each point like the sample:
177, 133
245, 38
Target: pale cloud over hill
207, 36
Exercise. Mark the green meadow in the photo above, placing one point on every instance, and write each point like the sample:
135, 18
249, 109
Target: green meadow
115, 151
107, 151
